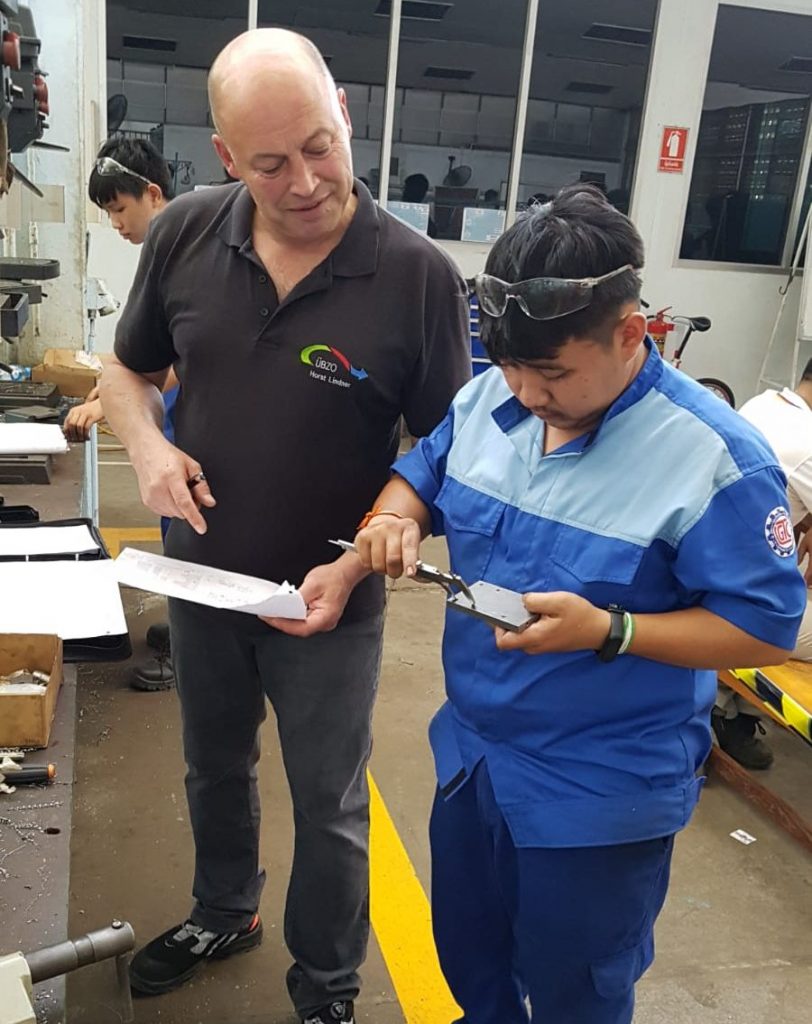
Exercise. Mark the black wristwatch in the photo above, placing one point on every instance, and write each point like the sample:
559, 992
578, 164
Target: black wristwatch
614, 639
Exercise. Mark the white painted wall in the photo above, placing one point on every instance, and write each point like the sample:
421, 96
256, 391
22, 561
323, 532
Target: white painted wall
741, 301
69, 54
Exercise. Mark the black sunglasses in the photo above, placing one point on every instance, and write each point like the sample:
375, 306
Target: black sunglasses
541, 298
107, 167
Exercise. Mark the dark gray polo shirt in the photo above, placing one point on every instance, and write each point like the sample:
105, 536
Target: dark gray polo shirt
292, 408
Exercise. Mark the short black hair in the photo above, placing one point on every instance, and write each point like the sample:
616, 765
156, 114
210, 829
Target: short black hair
137, 155
807, 374
415, 188
577, 234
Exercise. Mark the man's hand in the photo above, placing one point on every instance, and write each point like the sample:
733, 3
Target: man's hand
326, 590
568, 623
172, 483
389, 545
82, 417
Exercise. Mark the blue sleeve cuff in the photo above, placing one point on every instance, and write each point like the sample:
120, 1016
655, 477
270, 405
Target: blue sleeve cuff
738, 567
771, 627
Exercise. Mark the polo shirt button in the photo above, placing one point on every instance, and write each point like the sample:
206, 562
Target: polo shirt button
262, 279
264, 311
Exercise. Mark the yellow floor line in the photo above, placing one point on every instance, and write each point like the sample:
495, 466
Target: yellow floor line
114, 536
401, 918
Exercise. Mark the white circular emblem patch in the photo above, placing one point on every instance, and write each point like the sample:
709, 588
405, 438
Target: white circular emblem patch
778, 531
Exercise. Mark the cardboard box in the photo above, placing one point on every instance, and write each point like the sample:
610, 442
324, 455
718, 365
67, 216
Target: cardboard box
25, 718
59, 366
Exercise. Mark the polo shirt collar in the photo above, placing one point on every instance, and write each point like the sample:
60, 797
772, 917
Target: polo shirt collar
235, 227
511, 413
650, 374
356, 255
794, 399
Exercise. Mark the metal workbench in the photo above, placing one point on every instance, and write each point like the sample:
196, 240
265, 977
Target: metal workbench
35, 863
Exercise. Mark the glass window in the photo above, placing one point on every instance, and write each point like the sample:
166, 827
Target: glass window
158, 56
750, 139
355, 43
587, 88
455, 112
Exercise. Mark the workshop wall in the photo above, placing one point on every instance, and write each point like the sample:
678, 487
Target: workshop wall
742, 300
72, 54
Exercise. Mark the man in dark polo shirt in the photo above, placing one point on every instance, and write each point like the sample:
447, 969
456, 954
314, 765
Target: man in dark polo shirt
302, 322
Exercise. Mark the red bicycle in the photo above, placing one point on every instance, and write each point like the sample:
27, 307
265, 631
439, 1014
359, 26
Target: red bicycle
661, 323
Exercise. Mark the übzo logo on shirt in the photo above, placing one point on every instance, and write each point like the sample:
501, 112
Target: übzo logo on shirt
778, 531
330, 365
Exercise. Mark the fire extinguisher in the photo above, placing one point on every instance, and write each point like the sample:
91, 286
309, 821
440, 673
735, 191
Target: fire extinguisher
658, 328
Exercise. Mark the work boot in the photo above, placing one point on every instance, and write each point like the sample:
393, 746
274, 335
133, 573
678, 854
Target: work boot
153, 674
158, 637
171, 959
737, 737
332, 1013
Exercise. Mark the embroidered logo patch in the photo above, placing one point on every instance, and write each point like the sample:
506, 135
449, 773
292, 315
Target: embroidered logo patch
778, 531
330, 365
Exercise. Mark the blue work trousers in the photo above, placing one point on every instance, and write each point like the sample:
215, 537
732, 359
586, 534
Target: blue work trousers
572, 929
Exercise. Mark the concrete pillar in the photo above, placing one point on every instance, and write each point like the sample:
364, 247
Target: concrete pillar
72, 53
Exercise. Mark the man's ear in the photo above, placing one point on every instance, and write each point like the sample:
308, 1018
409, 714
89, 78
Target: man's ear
226, 159
345, 110
155, 194
633, 328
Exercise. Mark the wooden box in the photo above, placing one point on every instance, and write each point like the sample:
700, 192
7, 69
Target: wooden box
25, 718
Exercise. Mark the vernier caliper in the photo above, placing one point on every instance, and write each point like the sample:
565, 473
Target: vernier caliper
494, 605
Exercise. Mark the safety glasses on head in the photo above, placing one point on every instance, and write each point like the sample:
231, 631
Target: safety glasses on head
541, 298
107, 166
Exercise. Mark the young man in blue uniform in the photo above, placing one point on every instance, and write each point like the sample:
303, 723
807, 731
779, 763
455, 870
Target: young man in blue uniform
132, 183
646, 525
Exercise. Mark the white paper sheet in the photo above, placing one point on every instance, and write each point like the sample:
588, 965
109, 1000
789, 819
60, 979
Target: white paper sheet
72, 599
32, 439
46, 540
216, 588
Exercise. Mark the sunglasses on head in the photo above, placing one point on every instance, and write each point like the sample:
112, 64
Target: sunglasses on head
540, 298
107, 166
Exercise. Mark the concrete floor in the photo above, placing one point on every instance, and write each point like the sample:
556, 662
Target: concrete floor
734, 940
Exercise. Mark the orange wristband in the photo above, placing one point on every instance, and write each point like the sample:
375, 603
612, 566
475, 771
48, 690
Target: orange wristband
378, 512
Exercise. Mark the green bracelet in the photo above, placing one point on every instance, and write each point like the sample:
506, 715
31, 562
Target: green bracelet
628, 632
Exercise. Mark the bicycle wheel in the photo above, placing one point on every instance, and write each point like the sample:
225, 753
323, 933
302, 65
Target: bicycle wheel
719, 388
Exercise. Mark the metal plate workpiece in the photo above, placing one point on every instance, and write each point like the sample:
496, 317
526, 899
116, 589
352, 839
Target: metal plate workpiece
496, 606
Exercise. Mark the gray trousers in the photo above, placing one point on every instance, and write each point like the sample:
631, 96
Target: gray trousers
322, 690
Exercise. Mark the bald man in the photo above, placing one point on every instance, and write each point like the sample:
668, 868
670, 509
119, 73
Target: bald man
303, 322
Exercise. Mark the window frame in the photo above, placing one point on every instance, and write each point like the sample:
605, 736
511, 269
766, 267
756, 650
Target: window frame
804, 165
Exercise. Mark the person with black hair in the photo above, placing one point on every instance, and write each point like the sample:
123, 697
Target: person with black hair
785, 419
415, 187
644, 523
132, 183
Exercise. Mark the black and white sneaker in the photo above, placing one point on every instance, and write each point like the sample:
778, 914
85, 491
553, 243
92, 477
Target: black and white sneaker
333, 1013
171, 959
